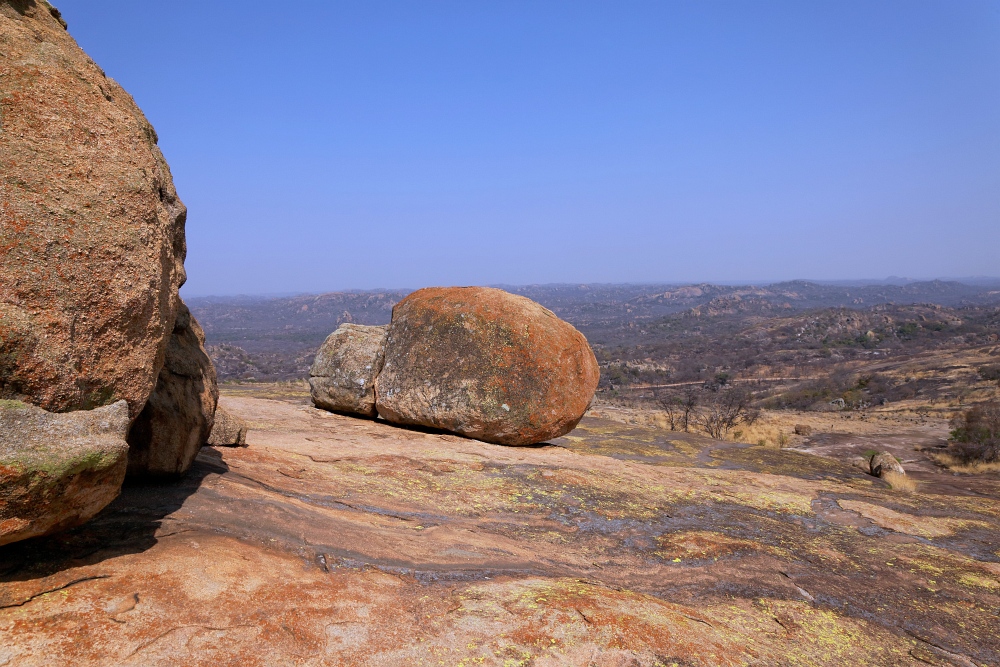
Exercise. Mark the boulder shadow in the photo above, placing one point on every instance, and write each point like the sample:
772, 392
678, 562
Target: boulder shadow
128, 525
431, 430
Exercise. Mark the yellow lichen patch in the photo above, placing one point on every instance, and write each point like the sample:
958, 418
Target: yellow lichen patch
980, 581
921, 526
759, 491
569, 622
814, 636
700, 544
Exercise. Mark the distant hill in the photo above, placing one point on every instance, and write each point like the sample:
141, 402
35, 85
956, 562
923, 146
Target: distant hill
275, 338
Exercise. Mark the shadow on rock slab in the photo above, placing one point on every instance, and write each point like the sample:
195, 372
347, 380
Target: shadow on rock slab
132, 523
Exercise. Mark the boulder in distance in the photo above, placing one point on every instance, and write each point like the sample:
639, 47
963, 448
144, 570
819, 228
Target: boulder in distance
58, 470
484, 363
177, 420
342, 377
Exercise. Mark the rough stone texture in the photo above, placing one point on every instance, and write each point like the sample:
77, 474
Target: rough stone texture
58, 470
228, 430
485, 364
342, 377
91, 229
178, 418
884, 462
352, 542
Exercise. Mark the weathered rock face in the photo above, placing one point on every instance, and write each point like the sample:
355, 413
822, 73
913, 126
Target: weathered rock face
342, 377
91, 229
58, 470
486, 364
884, 462
178, 418
228, 430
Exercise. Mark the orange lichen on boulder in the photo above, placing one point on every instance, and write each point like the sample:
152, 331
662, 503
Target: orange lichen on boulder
91, 229
485, 364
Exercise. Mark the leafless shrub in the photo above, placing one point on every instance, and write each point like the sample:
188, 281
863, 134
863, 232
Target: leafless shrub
679, 409
727, 409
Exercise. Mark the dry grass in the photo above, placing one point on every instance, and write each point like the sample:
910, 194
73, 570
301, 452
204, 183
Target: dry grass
900, 482
776, 428
956, 465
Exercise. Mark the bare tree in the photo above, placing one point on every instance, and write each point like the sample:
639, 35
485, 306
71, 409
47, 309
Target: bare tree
688, 404
671, 406
728, 408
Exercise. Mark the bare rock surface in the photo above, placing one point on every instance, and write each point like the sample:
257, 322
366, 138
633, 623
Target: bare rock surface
228, 430
342, 377
335, 541
91, 228
58, 470
178, 418
485, 364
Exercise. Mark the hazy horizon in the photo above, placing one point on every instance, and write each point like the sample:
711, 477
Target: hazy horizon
361, 144
985, 281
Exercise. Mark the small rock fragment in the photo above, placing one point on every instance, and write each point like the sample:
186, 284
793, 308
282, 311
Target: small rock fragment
228, 430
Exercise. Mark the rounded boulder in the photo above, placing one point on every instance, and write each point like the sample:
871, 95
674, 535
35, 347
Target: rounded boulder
91, 228
484, 363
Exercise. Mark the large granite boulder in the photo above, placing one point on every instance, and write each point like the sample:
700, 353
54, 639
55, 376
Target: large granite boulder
485, 364
228, 430
58, 470
91, 229
342, 377
177, 420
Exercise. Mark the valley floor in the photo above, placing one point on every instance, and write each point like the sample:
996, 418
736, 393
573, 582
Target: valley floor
332, 540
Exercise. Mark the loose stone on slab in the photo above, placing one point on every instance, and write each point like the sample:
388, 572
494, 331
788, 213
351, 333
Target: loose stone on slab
228, 430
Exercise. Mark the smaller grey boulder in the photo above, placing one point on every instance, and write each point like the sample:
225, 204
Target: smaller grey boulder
342, 377
884, 462
228, 430
58, 470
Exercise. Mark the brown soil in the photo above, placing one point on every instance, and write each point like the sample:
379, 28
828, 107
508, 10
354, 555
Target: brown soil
332, 540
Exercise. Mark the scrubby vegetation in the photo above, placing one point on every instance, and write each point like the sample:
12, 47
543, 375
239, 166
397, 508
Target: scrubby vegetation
976, 434
652, 334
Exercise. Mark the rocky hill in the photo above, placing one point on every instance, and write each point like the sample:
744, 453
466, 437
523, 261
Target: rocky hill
275, 338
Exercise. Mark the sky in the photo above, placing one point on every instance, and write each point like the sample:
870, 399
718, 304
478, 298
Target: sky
324, 145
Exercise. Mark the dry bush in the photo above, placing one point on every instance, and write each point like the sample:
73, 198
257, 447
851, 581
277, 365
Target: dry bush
900, 482
727, 409
976, 434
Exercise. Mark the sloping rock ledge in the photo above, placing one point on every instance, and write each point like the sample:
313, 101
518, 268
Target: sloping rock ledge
332, 541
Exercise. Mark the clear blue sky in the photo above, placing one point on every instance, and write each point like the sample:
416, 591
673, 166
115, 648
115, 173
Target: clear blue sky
324, 145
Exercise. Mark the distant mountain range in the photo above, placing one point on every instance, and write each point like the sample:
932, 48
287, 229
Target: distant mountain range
275, 337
